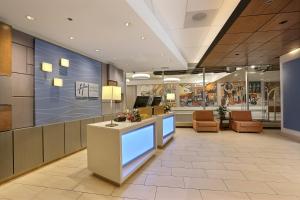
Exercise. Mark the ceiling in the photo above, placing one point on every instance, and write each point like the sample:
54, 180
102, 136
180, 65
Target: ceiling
97, 24
192, 36
265, 30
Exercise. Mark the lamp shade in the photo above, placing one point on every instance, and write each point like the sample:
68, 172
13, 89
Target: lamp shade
111, 93
170, 96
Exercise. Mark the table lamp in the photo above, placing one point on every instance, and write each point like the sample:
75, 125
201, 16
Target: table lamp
112, 93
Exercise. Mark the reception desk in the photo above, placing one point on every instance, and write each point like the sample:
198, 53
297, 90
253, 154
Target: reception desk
115, 153
165, 128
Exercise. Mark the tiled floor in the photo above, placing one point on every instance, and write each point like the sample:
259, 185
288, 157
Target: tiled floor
194, 166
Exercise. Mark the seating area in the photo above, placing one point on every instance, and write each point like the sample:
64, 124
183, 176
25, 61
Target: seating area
239, 121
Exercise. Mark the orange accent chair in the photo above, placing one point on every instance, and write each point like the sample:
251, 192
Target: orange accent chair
241, 121
203, 120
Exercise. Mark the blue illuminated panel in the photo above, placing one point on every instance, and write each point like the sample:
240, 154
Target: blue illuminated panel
168, 126
137, 142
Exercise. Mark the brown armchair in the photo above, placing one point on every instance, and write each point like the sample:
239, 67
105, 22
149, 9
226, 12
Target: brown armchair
203, 120
241, 121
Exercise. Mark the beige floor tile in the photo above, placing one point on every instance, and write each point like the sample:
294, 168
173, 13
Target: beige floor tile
192, 158
208, 165
225, 174
271, 197
164, 193
135, 191
86, 196
14, 191
177, 164
51, 194
44, 180
168, 181
205, 184
264, 176
200, 173
285, 188
242, 167
95, 185
222, 195
158, 171
137, 178
248, 186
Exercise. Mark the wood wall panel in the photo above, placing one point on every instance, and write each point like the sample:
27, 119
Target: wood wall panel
5, 49
5, 117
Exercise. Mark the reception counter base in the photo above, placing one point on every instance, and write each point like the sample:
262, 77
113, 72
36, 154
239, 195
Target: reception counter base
115, 153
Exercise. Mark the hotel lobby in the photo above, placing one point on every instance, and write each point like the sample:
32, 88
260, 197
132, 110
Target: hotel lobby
149, 100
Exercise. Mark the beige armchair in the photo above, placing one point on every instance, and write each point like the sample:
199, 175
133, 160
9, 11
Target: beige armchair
241, 121
203, 120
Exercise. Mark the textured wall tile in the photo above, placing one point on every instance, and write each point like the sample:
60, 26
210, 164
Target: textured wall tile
19, 58
5, 91
28, 149
22, 108
22, 38
6, 155
30, 57
22, 85
30, 69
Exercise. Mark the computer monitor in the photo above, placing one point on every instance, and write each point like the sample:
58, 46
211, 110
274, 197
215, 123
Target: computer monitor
156, 101
141, 101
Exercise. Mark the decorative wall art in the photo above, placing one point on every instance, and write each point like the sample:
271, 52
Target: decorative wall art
81, 89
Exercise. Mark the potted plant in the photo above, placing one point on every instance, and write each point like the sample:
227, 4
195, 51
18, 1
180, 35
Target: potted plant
222, 110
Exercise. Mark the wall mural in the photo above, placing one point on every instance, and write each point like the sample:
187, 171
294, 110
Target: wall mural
232, 93
57, 104
191, 94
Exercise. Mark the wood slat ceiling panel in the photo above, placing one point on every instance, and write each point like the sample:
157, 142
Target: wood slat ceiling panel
258, 35
232, 38
293, 6
249, 24
275, 23
261, 7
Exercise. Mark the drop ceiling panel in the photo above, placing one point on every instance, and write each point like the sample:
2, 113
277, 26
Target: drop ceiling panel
261, 37
293, 6
192, 37
170, 13
197, 5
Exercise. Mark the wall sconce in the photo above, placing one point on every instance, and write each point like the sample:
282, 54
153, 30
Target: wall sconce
64, 62
46, 67
58, 82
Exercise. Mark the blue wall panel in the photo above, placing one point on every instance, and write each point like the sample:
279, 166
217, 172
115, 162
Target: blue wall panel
57, 104
291, 94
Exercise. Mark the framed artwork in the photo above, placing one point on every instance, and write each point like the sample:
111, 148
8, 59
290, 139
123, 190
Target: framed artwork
112, 83
81, 89
93, 90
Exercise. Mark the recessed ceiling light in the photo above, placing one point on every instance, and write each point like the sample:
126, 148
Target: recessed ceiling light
71, 38
238, 68
97, 50
29, 17
252, 66
127, 24
283, 22
141, 76
142, 37
235, 74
